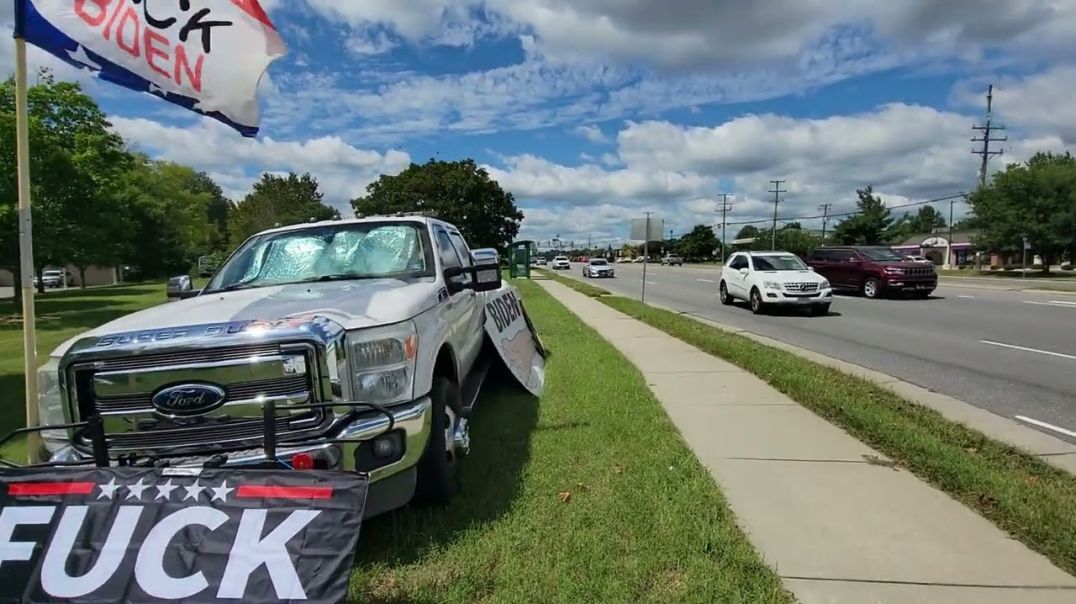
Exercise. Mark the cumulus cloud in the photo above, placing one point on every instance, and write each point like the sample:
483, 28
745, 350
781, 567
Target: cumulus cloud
593, 134
342, 170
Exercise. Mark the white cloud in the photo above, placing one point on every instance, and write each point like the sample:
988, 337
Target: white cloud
1040, 103
593, 134
342, 170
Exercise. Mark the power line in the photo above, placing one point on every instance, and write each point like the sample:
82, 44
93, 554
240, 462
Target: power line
986, 139
776, 201
843, 214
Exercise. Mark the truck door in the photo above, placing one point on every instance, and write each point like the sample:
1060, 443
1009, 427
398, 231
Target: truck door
461, 300
473, 325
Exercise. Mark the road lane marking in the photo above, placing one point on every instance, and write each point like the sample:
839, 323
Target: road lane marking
1054, 303
967, 297
1025, 349
1035, 422
651, 283
706, 281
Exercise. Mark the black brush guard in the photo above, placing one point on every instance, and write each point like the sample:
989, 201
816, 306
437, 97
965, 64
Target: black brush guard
93, 429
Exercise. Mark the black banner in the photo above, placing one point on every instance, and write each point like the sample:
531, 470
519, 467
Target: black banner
149, 535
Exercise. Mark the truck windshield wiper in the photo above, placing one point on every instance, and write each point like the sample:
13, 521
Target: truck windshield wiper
339, 277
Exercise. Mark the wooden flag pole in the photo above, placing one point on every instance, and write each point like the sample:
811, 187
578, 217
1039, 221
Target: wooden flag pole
26, 245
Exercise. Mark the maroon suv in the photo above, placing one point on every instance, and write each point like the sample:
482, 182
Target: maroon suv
873, 270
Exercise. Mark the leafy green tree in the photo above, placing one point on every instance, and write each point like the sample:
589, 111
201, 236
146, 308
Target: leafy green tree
459, 192
166, 211
700, 243
76, 161
278, 201
748, 232
1036, 199
216, 211
870, 226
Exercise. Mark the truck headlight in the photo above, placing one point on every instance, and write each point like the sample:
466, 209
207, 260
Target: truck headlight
771, 285
382, 363
50, 404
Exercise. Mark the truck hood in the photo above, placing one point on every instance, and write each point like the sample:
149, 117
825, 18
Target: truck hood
352, 304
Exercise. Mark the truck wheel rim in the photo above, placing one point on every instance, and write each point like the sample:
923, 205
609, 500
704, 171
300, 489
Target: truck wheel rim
457, 435
870, 289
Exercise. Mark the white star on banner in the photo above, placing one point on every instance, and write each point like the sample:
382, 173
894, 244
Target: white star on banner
79, 56
136, 489
108, 490
221, 492
193, 491
164, 491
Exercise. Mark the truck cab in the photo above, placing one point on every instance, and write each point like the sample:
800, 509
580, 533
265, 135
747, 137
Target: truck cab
359, 341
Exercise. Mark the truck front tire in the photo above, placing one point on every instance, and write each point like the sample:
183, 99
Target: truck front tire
439, 468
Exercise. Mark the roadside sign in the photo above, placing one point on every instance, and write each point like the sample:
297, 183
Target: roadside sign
513, 335
160, 534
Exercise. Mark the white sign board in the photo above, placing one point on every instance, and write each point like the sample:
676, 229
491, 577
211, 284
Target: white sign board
639, 230
513, 335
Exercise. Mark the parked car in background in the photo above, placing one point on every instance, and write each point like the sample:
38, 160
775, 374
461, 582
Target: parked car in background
923, 259
672, 260
561, 263
597, 268
55, 278
874, 271
767, 279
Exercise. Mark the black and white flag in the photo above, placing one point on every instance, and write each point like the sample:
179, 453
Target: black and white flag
145, 535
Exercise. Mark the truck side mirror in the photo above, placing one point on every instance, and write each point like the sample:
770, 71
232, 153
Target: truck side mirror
487, 270
181, 288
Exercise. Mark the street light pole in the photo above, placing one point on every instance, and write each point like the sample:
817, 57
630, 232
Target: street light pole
1023, 273
724, 221
646, 254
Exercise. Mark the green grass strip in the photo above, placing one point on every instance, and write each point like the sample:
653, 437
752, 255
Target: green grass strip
589, 495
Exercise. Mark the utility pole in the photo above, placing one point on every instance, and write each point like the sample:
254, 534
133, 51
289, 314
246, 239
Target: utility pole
986, 137
776, 200
646, 254
725, 209
825, 219
949, 248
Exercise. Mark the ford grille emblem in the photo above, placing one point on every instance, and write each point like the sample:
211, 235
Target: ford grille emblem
188, 400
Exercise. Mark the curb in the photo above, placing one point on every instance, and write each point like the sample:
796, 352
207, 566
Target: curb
1054, 451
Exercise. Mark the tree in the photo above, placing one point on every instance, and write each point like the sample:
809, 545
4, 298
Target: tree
699, 243
748, 232
76, 161
166, 210
217, 210
459, 192
278, 201
869, 226
1036, 200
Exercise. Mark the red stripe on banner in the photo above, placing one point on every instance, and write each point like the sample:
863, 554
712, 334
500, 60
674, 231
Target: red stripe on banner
30, 489
266, 492
252, 8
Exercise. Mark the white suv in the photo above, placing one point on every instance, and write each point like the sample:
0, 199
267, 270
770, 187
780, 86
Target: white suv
561, 263
765, 279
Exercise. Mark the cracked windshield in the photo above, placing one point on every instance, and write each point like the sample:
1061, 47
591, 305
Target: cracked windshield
547, 301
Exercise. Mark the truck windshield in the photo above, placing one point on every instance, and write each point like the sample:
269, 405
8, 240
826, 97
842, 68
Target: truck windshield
325, 253
882, 255
779, 263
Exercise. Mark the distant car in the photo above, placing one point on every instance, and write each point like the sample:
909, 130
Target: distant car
640, 259
55, 278
541, 261
597, 268
914, 258
672, 260
874, 271
561, 263
767, 279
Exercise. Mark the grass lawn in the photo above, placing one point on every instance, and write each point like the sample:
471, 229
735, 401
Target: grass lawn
588, 495
1028, 498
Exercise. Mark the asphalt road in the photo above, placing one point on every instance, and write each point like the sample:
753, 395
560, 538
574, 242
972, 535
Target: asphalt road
1011, 352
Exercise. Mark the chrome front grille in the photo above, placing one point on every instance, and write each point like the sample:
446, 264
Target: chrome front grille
288, 387
801, 288
919, 271
121, 390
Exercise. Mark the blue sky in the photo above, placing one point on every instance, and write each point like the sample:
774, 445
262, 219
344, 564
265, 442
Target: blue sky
594, 111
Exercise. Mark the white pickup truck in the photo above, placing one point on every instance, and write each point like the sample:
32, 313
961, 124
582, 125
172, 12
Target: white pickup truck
359, 344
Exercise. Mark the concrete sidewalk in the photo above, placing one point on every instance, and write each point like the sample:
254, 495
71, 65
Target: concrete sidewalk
824, 510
